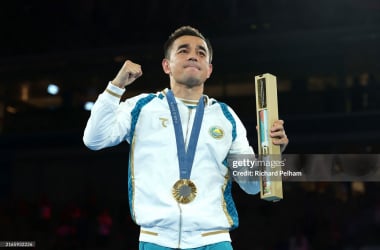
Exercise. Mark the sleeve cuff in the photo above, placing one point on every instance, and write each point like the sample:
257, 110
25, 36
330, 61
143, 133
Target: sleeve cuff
114, 90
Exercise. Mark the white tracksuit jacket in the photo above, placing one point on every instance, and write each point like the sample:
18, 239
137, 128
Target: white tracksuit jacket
145, 122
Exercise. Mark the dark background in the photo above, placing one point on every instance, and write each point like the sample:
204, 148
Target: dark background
58, 193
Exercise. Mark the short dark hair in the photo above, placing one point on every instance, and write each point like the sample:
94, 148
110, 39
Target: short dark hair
185, 31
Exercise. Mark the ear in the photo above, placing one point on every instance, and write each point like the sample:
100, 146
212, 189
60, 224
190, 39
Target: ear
166, 66
209, 70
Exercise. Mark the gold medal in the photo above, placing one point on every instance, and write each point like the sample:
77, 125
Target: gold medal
184, 191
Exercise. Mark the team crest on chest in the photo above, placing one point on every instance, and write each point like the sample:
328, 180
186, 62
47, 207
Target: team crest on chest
216, 132
164, 122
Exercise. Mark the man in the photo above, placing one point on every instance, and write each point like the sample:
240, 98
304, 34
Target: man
179, 184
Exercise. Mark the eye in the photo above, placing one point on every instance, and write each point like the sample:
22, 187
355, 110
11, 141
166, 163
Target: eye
182, 51
202, 53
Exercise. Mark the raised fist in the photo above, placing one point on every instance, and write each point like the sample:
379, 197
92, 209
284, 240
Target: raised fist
127, 74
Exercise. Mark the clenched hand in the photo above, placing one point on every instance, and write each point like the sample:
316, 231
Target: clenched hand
127, 74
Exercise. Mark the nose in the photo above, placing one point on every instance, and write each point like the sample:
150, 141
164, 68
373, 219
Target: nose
193, 55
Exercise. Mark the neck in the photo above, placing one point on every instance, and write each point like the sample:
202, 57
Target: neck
188, 93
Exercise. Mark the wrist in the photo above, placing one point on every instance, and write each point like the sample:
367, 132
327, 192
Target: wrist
117, 84
114, 90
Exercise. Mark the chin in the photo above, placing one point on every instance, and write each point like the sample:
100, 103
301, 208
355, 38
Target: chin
192, 82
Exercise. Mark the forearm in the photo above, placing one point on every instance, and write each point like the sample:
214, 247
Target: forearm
107, 125
240, 150
242, 174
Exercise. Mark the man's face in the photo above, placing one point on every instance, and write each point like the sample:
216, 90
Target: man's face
188, 63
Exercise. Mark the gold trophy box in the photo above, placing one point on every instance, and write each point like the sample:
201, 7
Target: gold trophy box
267, 114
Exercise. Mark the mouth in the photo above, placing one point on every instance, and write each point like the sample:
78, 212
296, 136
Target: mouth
191, 65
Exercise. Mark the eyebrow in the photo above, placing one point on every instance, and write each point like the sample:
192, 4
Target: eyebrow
186, 46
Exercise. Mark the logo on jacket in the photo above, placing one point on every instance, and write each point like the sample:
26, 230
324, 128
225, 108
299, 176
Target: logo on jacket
216, 132
164, 122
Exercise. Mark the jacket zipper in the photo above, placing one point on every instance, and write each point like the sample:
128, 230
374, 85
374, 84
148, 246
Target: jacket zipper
187, 127
180, 226
179, 206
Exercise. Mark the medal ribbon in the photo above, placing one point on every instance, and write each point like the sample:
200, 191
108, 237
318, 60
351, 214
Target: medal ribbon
185, 158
